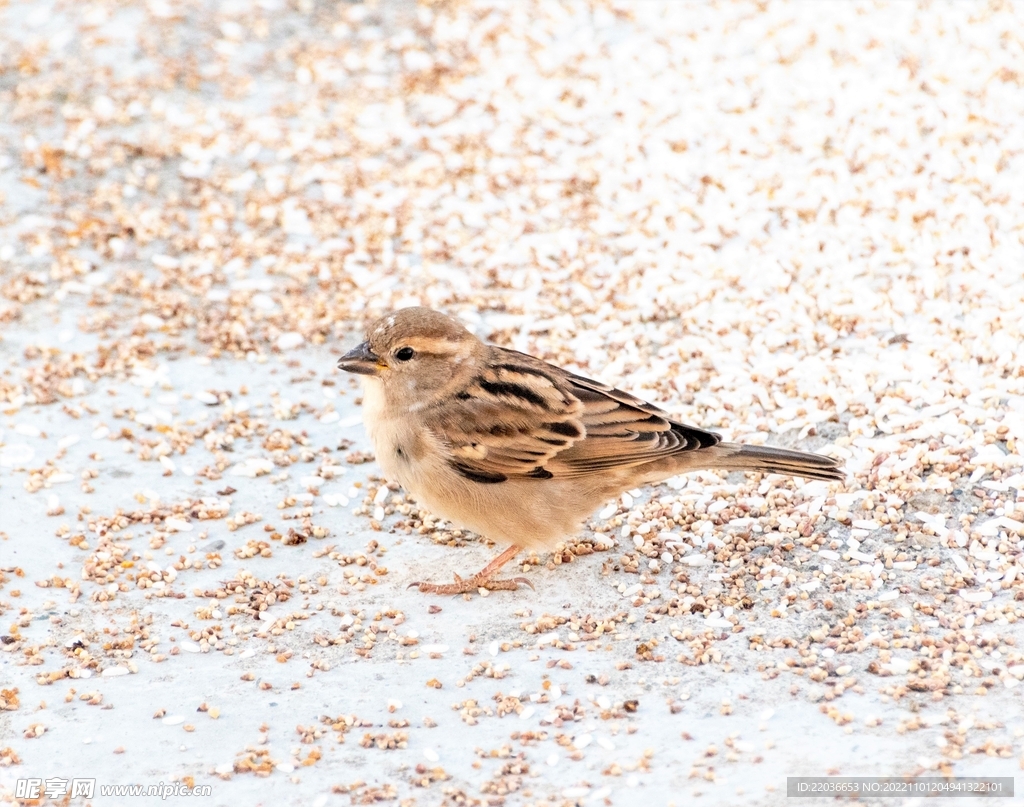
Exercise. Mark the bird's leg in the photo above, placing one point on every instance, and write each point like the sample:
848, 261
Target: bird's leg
481, 579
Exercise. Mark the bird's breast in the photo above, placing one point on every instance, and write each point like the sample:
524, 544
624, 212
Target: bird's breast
400, 447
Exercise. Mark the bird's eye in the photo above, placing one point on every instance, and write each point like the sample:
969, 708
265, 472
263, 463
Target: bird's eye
405, 353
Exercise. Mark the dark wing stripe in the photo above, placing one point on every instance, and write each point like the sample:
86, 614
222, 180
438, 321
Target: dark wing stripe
474, 475
540, 473
706, 439
566, 428
554, 441
500, 388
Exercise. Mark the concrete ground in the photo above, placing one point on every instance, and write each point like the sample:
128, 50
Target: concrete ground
786, 222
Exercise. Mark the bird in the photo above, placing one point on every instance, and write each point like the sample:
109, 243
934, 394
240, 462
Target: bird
516, 449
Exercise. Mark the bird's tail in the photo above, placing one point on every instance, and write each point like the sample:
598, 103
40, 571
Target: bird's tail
770, 460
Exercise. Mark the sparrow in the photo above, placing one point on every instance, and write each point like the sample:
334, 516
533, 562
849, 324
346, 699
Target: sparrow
519, 450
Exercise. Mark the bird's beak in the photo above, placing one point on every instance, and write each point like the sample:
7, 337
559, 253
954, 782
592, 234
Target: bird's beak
361, 360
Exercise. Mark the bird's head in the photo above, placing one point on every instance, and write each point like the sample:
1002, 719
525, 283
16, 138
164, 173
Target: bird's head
415, 354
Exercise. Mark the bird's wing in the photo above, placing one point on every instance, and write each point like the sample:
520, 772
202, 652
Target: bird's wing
522, 417
622, 431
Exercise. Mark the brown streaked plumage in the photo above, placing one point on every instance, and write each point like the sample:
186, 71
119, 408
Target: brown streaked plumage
517, 449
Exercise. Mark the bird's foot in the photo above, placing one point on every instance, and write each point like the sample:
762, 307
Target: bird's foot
471, 584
